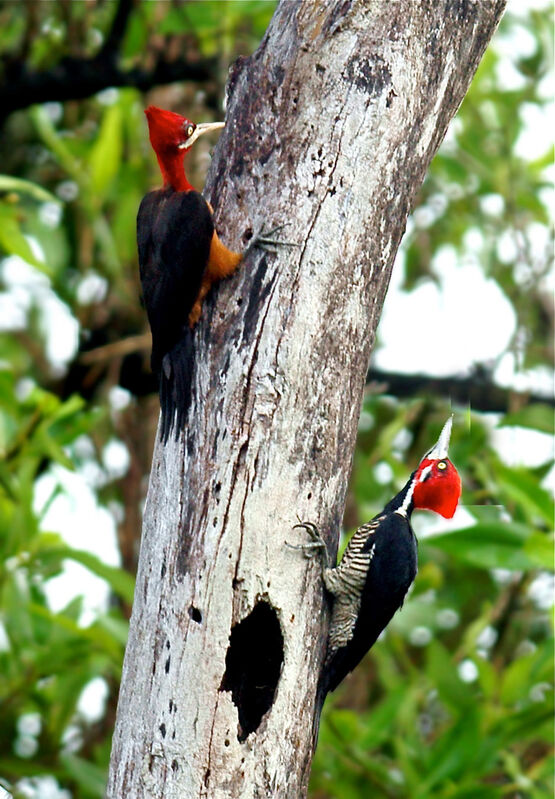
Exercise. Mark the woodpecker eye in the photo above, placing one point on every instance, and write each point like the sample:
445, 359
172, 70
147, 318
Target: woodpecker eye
189, 130
442, 465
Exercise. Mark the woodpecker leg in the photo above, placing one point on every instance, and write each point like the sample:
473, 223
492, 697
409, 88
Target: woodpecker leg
221, 261
194, 314
313, 546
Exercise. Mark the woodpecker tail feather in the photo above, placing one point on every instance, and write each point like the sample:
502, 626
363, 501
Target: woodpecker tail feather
176, 378
321, 693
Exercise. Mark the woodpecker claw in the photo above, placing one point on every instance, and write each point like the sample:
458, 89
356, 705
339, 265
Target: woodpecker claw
265, 241
313, 546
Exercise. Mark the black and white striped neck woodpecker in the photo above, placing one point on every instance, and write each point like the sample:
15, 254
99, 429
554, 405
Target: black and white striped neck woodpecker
380, 562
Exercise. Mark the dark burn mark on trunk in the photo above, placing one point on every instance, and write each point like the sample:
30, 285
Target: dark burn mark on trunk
257, 295
372, 78
253, 666
185, 541
462, 9
336, 18
278, 75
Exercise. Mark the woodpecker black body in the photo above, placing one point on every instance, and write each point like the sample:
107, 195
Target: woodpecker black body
174, 234
379, 565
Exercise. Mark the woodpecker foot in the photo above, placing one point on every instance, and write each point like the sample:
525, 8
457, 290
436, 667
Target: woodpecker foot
313, 547
265, 239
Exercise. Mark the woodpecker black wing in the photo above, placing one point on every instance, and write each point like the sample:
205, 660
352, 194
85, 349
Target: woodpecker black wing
368, 586
174, 233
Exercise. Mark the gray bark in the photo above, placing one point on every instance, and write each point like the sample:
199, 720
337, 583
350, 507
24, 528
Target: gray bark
331, 125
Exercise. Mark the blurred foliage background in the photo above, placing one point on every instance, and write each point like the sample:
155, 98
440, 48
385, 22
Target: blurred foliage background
455, 700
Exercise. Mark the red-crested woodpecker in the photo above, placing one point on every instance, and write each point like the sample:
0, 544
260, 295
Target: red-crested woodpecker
180, 258
380, 562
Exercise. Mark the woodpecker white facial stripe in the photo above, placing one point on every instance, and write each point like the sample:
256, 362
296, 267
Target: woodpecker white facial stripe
425, 473
402, 510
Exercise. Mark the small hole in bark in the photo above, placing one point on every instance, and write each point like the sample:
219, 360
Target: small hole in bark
195, 614
163, 570
175, 765
309, 495
239, 301
167, 666
162, 729
226, 742
206, 777
253, 665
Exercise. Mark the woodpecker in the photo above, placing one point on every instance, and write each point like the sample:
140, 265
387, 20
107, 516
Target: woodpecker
380, 562
180, 258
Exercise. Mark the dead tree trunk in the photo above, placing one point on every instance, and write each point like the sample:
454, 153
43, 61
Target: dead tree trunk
330, 127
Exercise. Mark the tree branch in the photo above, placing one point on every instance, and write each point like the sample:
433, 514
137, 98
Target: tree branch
78, 78
110, 47
74, 78
477, 389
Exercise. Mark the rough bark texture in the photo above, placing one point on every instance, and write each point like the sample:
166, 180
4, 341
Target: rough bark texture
331, 126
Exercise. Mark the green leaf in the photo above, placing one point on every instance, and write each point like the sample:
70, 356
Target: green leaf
119, 580
105, 157
12, 239
20, 186
535, 417
491, 545
540, 548
90, 777
522, 487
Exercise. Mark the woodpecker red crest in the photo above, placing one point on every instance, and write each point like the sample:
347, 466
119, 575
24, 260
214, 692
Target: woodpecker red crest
437, 485
171, 135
